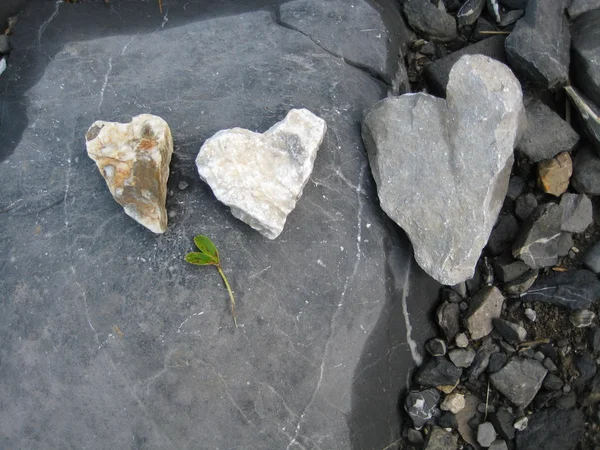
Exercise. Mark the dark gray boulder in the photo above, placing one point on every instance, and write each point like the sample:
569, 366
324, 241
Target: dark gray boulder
108, 335
547, 134
429, 20
576, 289
538, 47
586, 54
552, 429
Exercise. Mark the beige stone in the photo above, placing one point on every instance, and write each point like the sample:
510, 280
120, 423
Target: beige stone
554, 174
134, 160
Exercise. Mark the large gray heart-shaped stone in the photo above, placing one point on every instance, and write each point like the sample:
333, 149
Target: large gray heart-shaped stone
442, 166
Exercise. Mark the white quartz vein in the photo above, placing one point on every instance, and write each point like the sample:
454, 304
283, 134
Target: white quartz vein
339, 306
47, 22
414, 351
130, 41
105, 82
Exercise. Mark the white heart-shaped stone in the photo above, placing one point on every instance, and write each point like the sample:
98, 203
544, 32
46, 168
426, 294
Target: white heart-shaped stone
261, 176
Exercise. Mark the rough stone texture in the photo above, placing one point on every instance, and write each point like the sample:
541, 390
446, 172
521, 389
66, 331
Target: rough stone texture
429, 20
365, 35
576, 289
134, 160
538, 46
525, 205
554, 174
586, 171
469, 12
421, 406
437, 73
552, 429
537, 244
521, 284
591, 258
513, 333
577, 212
589, 114
498, 444
440, 439
454, 403
462, 357
586, 54
447, 317
579, 7
510, 17
445, 185
109, 339
503, 423
438, 372
262, 176
508, 269
484, 307
547, 134
519, 380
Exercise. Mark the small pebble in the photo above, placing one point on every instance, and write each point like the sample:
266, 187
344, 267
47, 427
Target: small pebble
464, 306
549, 364
531, 314
461, 340
539, 356
454, 403
486, 434
415, 437
521, 424
498, 444
183, 185
582, 318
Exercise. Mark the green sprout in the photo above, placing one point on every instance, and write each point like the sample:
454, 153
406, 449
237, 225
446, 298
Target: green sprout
209, 256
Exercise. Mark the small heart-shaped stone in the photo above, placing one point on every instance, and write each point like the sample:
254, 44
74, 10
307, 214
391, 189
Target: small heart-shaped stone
442, 166
261, 176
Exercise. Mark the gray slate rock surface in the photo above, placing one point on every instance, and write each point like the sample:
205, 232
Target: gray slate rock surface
579, 7
486, 434
577, 212
437, 73
586, 171
586, 54
304, 369
462, 357
575, 289
365, 35
445, 185
538, 46
519, 380
591, 258
421, 406
538, 242
589, 115
509, 269
448, 318
469, 12
552, 429
430, 21
503, 422
547, 133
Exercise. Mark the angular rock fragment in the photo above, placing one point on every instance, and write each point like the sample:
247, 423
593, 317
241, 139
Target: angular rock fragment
554, 174
445, 185
547, 134
525, 205
582, 318
511, 17
577, 212
537, 245
437, 73
454, 403
484, 307
589, 114
503, 422
134, 160
586, 54
440, 439
421, 406
552, 429
261, 176
519, 380
486, 434
438, 372
482, 358
586, 171
436, 347
576, 289
521, 284
538, 47
470, 12
508, 269
424, 17
511, 332
462, 357
447, 317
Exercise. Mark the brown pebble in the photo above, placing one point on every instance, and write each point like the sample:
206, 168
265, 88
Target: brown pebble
554, 174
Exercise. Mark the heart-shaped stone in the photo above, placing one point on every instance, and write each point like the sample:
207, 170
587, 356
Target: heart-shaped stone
261, 176
442, 166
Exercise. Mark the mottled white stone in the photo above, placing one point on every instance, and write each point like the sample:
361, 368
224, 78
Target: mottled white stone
261, 176
134, 160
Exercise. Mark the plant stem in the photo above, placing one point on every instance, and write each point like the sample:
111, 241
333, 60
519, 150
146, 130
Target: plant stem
230, 293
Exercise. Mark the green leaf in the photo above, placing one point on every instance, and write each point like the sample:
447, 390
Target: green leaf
200, 259
206, 246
